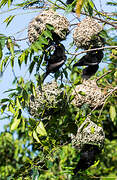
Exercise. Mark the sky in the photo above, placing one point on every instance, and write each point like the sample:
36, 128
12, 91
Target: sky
18, 28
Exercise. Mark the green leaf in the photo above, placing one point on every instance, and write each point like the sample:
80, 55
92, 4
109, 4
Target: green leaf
50, 27
15, 124
115, 74
12, 61
43, 40
3, 108
18, 104
82, 93
103, 34
9, 19
92, 129
4, 100
91, 3
11, 109
34, 47
9, 3
35, 136
90, 7
1, 51
35, 174
48, 34
10, 46
2, 40
3, 2
31, 67
23, 124
41, 129
112, 112
21, 58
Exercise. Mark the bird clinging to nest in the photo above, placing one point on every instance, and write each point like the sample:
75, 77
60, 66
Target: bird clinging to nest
56, 60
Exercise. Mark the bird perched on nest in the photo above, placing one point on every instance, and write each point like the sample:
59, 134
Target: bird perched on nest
56, 60
91, 59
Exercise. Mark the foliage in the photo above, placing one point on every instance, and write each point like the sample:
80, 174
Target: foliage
41, 148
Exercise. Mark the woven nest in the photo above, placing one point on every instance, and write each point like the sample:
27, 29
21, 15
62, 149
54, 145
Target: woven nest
49, 100
88, 134
88, 93
86, 34
38, 25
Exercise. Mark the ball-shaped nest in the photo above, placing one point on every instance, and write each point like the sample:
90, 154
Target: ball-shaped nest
38, 25
86, 34
88, 133
49, 100
88, 93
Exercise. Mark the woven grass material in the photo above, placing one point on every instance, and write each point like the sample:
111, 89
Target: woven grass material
47, 101
88, 92
88, 134
86, 34
38, 25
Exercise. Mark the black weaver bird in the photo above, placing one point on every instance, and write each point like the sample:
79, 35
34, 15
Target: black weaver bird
55, 61
91, 60
87, 157
89, 71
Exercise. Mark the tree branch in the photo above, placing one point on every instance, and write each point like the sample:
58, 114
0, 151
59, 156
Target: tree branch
103, 75
95, 49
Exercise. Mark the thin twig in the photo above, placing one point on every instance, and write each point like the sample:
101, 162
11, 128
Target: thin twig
21, 39
95, 49
103, 75
106, 98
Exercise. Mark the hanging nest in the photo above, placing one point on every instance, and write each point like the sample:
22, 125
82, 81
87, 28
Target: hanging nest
88, 93
88, 134
38, 25
49, 100
89, 141
86, 34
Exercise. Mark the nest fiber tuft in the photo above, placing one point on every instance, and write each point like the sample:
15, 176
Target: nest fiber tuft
38, 25
86, 34
88, 93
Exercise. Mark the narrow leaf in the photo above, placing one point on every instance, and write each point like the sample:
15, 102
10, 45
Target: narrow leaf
15, 124
11, 109
115, 74
36, 137
48, 34
1, 51
91, 3
10, 46
18, 104
8, 20
3, 108
41, 129
112, 112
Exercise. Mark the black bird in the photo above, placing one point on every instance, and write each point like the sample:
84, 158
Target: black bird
89, 71
87, 158
91, 58
55, 61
